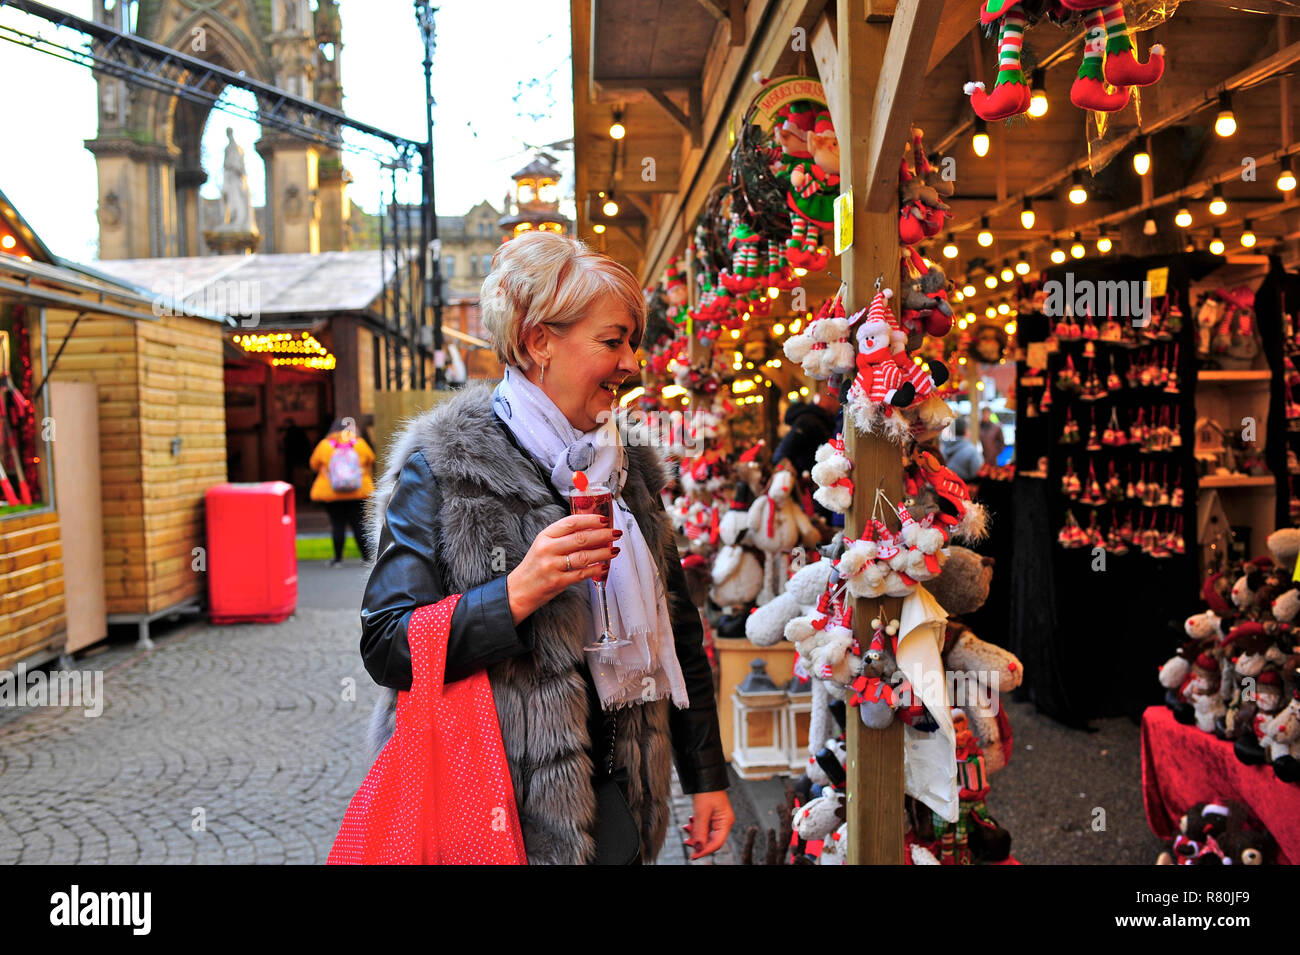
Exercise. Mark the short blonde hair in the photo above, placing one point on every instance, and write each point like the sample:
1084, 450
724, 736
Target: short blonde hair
540, 278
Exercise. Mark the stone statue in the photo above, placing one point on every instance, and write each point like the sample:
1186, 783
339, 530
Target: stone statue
236, 201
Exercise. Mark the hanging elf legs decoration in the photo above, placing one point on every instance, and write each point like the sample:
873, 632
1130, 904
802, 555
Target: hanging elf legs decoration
1089, 90
1109, 70
1122, 67
1011, 94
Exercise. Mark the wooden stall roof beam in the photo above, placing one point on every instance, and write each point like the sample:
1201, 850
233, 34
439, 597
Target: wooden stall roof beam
730, 12
910, 39
690, 124
959, 17
1262, 70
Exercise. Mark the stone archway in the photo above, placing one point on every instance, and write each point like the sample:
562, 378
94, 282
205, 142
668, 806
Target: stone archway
148, 148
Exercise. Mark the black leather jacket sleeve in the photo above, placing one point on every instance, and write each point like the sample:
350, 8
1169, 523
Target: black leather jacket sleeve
407, 575
696, 736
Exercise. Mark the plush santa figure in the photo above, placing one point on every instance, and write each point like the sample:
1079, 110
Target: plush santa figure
887, 378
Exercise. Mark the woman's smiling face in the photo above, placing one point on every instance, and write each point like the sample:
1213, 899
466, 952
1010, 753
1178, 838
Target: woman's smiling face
587, 362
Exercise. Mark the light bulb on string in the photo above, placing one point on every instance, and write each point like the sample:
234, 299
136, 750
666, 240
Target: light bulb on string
985, 237
616, 129
968, 290
1058, 254
980, 140
1027, 213
1285, 177
1007, 274
1225, 124
1078, 194
1183, 218
950, 248
990, 281
1216, 243
1248, 238
1218, 205
1077, 249
1142, 159
1022, 265
1103, 242
1038, 94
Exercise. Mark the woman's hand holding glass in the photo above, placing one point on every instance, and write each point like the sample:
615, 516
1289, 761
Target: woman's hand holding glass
574, 548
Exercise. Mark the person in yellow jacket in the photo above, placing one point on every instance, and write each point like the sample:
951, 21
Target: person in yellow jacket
344, 464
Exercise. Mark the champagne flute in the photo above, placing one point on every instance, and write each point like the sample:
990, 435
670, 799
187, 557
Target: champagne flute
597, 499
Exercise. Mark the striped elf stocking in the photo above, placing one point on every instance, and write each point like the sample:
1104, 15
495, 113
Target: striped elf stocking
1122, 67
797, 226
1011, 94
1089, 90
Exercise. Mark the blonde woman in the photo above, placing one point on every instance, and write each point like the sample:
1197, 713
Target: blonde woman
472, 503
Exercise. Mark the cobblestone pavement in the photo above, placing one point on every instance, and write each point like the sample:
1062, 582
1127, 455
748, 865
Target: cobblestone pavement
220, 745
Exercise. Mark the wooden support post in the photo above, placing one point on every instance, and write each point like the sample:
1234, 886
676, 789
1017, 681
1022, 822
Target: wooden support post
875, 758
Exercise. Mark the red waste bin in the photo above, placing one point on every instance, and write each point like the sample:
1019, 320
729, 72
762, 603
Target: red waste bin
252, 552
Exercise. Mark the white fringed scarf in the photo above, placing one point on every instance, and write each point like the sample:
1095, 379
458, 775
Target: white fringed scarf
638, 606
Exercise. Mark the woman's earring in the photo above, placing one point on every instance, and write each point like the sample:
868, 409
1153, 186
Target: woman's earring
541, 381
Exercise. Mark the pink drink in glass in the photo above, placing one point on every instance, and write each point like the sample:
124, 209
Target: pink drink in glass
594, 500
597, 499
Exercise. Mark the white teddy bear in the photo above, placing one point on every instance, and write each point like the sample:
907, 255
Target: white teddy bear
766, 626
776, 524
737, 572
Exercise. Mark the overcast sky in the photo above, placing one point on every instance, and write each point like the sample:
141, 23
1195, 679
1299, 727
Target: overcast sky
502, 81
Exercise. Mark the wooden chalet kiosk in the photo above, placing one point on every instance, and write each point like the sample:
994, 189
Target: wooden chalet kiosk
121, 431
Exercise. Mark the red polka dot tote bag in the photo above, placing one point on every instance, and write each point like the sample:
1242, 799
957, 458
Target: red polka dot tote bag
440, 792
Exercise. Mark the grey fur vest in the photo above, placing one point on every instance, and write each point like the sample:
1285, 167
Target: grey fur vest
492, 497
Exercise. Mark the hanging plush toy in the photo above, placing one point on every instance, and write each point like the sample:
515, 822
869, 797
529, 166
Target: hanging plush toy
887, 379
921, 190
814, 183
675, 289
744, 245
831, 475
776, 524
737, 571
1109, 69
822, 347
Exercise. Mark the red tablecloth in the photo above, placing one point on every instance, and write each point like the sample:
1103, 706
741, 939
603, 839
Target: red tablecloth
1182, 765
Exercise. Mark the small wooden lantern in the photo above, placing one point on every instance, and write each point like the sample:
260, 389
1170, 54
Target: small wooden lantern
759, 714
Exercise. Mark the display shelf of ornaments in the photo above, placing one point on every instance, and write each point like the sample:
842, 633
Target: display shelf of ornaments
1233, 396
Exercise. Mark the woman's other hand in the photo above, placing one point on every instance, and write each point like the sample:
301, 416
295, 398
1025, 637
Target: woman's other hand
712, 821
543, 573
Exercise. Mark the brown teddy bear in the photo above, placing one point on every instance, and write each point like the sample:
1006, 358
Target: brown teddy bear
979, 672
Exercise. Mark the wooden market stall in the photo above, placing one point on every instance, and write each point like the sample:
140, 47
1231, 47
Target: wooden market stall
117, 414
681, 101
676, 78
